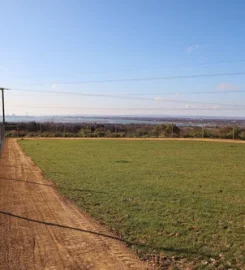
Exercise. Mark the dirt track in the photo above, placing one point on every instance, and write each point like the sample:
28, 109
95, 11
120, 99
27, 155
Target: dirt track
41, 230
139, 139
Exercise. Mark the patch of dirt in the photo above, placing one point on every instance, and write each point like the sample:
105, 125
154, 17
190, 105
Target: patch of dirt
41, 230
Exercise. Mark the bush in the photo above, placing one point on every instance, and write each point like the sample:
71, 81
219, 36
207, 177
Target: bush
84, 133
58, 134
241, 135
12, 133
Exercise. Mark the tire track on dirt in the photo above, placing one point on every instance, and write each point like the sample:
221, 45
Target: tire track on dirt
41, 230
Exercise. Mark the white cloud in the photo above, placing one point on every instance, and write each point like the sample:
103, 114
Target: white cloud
158, 98
54, 85
227, 87
191, 49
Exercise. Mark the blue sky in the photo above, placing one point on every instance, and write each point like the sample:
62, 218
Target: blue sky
47, 44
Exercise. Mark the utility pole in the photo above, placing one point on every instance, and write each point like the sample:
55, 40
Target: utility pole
234, 122
3, 106
202, 128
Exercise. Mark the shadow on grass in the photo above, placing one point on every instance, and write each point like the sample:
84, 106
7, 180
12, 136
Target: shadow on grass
176, 250
50, 185
87, 190
24, 181
17, 167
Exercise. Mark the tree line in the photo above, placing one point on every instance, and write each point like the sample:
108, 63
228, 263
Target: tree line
94, 130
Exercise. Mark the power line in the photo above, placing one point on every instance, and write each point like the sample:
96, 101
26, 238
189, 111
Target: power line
147, 109
132, 94
157, 67
154, 78
187, 93
136, 98
175, 66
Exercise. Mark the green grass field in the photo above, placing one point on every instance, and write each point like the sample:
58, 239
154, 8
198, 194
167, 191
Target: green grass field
177, 198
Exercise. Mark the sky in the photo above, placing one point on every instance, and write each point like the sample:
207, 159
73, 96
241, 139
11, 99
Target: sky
95, 47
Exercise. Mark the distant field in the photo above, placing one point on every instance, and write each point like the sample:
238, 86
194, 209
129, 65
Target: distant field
176, 198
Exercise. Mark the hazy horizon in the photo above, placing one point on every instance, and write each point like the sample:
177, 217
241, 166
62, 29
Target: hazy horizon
123, 116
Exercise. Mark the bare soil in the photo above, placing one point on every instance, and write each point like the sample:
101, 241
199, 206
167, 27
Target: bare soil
41, 230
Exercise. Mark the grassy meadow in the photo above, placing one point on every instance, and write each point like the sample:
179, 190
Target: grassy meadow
184, 200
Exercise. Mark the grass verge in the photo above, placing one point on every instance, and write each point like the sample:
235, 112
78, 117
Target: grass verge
180, 199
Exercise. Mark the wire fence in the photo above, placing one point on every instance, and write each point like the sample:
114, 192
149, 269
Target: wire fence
2, 136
